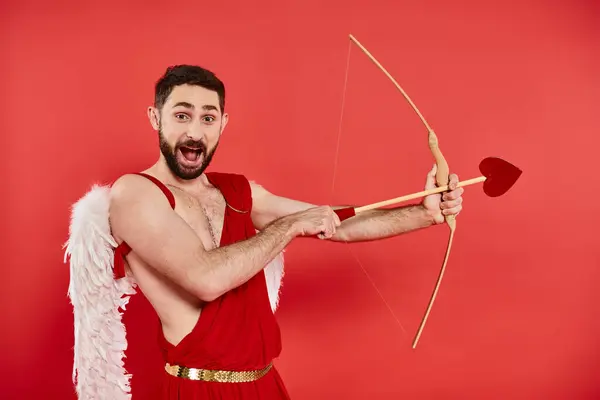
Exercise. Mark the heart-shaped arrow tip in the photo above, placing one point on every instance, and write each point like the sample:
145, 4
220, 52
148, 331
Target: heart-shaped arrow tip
500, 176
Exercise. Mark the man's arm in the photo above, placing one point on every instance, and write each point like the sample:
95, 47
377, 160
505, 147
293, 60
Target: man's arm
368, 225
381, 224
141, 215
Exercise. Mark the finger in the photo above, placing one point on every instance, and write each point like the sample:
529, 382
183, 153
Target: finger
326, 231
332, 228
336, 219
453, 181
451, 203
430, 182
453, 195
452, 211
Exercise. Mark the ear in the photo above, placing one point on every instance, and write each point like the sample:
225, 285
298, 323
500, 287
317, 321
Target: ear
224, 121
154, 117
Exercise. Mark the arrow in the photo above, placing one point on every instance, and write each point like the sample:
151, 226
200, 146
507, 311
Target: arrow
498, 176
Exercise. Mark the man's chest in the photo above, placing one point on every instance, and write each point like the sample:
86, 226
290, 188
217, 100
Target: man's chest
204, 213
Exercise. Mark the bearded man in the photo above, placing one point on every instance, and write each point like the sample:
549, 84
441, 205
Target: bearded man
197, 244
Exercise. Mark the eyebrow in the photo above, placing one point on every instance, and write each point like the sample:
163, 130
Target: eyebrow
206, 107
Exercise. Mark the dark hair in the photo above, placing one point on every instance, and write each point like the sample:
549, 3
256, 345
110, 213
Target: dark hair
190, 75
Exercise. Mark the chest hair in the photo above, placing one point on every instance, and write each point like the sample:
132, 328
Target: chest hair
203, 212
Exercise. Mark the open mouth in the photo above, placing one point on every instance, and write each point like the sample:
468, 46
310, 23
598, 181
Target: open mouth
191, 156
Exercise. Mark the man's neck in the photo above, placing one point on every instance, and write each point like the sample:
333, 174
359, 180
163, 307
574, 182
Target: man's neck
162, 171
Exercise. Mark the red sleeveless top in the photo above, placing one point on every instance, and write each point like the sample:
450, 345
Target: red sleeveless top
235, 332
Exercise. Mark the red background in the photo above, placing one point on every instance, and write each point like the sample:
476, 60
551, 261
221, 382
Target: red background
517, 313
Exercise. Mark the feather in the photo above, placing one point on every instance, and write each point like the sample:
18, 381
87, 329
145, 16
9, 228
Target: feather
99, 300
274, 273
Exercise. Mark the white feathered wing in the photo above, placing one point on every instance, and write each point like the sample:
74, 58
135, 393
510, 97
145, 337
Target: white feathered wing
99, 300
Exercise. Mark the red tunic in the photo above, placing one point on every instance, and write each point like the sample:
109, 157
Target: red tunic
237, 331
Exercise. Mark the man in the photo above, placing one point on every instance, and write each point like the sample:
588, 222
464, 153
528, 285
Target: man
189, 239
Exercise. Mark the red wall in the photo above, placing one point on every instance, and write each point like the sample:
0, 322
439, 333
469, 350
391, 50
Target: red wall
517, 313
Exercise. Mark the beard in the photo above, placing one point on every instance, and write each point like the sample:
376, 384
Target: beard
180, 169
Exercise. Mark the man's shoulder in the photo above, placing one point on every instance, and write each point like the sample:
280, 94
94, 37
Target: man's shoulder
127, 184
136, 201
133, 188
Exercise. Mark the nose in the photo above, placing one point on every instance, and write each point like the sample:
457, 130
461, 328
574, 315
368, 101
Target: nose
196, 131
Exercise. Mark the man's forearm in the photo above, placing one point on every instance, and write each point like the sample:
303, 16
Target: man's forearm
380, 224
225, 268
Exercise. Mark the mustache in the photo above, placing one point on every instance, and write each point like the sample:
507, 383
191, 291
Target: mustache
193, 144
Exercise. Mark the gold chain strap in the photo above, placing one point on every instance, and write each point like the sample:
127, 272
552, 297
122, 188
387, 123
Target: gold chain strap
198, 374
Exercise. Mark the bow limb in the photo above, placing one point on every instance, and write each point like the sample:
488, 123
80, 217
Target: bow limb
442, 178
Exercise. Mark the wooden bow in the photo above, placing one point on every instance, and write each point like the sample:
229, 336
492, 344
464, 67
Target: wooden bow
442, 179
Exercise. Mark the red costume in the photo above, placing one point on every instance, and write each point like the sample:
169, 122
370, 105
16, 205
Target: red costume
236, 332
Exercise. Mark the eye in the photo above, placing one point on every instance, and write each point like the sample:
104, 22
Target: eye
182, 116
208, 118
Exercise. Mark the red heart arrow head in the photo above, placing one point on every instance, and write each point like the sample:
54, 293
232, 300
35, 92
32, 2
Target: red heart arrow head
501, 176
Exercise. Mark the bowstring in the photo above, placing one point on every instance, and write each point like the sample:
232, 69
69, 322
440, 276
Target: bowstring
335, 168
339, 135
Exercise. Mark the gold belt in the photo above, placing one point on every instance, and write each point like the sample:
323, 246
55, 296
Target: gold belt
198, 374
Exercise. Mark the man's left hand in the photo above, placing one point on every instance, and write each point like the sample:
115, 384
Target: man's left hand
441, 204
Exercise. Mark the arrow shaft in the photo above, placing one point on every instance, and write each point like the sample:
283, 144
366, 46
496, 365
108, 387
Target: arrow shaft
417, 195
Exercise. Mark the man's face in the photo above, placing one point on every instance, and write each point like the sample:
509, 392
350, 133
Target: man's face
189, 127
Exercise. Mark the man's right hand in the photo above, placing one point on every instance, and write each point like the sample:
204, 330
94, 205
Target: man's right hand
321, 221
